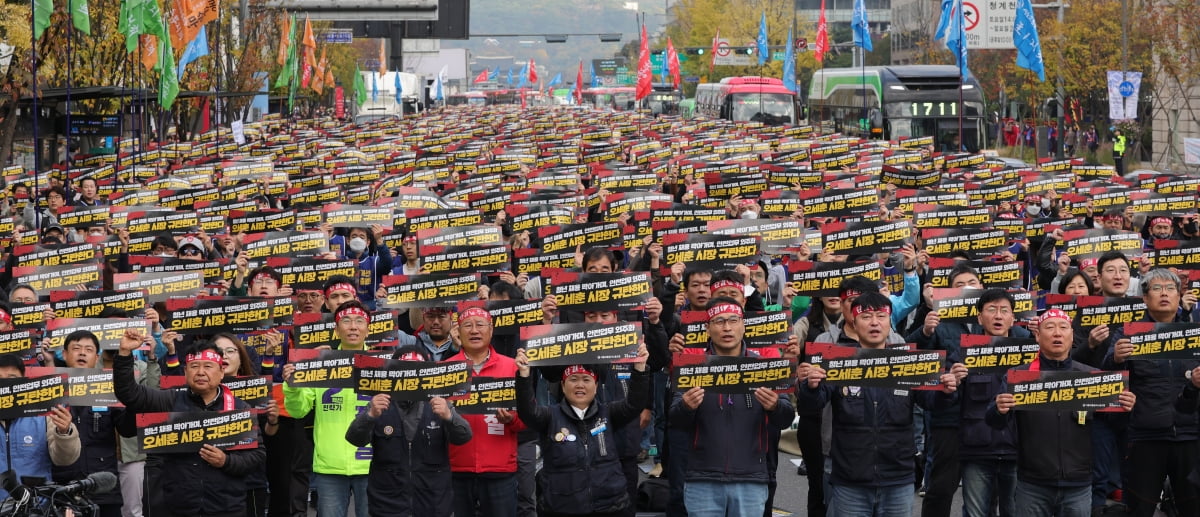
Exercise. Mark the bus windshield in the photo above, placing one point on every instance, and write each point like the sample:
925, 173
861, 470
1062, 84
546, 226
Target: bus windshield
768, 108
664, 102
477, 101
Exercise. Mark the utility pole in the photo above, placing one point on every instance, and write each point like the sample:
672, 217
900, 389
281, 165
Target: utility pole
1062, 96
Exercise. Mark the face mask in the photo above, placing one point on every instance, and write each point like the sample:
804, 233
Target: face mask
749, 215
1033, 210
166, 255
358, 244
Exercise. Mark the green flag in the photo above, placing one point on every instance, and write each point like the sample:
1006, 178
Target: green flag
41, 16
168, 84
360, 88
80, 16
289, 66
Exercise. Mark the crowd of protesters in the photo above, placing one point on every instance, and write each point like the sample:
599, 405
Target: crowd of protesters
573, 441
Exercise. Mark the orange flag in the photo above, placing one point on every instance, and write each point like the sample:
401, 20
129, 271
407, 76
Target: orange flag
318, 79
187, 16
148, 48
308, 41
383, 64
285, 39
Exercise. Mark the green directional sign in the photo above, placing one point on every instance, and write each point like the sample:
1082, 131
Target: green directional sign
778, 55
656, 59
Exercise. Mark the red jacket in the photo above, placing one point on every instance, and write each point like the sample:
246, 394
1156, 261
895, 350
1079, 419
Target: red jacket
493, 446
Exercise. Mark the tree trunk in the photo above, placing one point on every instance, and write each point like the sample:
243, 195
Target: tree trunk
8, 130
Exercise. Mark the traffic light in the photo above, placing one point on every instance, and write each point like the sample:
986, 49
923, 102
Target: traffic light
695, 51
748, 51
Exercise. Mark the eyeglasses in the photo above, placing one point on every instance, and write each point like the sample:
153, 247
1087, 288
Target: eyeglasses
992, 311
356, 320
229, 352
1115, 271
189, 252
725, 322
1164, 288
308, 296
264, 280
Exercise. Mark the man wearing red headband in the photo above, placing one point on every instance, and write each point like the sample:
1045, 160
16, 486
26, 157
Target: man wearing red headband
1161, 228
215, 485
727, 470
873, 445
1054, 448
484, 467
340, 468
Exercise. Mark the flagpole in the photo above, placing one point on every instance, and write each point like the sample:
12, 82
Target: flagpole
37, 145
70, 77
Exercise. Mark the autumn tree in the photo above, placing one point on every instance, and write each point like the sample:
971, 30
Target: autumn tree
1176, 72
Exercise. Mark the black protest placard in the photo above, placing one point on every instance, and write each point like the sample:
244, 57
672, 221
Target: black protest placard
724, 186
161, 286
996, 354
83, 216
49, 278
958, 304
20, 342
580, 343
324, 368
464, 259
838, 202
84, 386
486, 395
315, 330
31, 396
732, 375
423, 218
906, 199
57, 255
712, 252
1067, 390
949, 216
285, 244
208, 315
782, 203
1154, 341
994, 195
600, 291
29, 315
187, 432
532, 261
824, 278
530, 217
429, 290
865, 238
942, 242
508, 316
1092, 311
620, 203
242, 221
894, 368
562, 237
613, 181
1002, 275
108, 330
773, 235
89, 304
1081, 244
310, 273
356, 216
214, 269
477, 235
409, 380
1177, 254
1166, 205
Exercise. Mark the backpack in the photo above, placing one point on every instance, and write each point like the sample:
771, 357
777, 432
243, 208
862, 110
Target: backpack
653, 494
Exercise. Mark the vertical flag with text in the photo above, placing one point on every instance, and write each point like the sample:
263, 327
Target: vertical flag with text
713, 54
41, 16
533, 77
579, 84
80, 15
1025, 38
673, 63
360, 88
195, 50
822, 44
644, 81
789, 65
860, 27
762, 48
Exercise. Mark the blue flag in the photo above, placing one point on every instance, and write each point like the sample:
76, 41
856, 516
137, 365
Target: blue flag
524, 75
592, 71
665, 70
493, 73
858, 24
956, 36
1025, 37
197, 48
509, 81
374, 87
399, 90
789, 65
557, 79
761, 42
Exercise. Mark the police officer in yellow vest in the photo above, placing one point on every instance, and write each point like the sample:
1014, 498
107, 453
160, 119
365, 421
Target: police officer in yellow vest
1119, 151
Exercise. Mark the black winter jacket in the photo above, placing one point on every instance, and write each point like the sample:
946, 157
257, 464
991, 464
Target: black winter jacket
1166, 407
97, 449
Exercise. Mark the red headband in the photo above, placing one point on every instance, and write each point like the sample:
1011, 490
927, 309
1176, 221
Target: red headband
207, 355
340, 286
724, 308
1160, 220
349, 311
262, 274
855, 311
578, 368
724, 283
410, 238
475, 312
849, 293
1089, 262
411, 356
5, 316
1053, 314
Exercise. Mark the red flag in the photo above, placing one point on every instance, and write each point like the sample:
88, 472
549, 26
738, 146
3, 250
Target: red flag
673, 63
482, 77
532, 72
713, 61
644, 74
822, 44
579, 84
